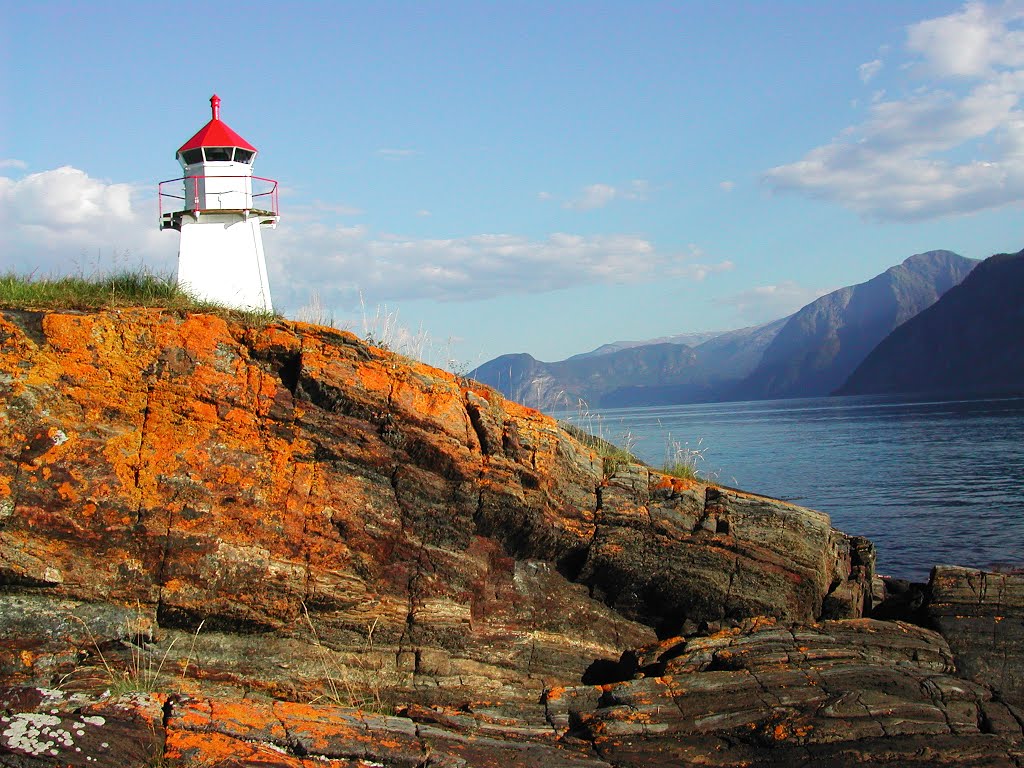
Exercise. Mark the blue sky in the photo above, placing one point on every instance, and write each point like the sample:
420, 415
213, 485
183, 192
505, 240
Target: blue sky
538, 177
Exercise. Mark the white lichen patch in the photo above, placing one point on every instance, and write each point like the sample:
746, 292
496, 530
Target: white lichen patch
52, 698
59, 437
34, 733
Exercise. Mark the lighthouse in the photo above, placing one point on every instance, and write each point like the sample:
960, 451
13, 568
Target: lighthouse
220, 208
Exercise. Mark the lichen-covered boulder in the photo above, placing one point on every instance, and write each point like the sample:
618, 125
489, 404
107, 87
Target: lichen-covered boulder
296, 492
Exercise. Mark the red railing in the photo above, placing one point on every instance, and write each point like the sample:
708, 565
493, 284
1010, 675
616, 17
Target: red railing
263, 201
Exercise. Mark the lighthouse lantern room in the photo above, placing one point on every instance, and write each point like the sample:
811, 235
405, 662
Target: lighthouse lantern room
220, 207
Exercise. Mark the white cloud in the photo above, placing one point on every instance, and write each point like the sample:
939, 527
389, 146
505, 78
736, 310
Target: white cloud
869, 69
593, 196
771, 302
954, 145
392, 152
11, 162
599, 195
64, 221
341, 261
972, 43
727, 186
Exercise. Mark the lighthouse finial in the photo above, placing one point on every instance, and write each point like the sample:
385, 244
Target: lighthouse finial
215, 106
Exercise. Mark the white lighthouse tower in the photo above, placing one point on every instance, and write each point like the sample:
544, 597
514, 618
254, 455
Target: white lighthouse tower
219, 207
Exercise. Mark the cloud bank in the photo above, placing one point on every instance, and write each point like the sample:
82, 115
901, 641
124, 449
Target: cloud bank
63, 221
340, 261
953, 145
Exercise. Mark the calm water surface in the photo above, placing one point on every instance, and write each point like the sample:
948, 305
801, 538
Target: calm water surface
929, 482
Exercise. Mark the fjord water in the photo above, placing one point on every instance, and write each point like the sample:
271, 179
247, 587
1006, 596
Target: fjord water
929, 482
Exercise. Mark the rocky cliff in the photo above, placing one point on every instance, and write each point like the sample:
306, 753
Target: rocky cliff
297, 549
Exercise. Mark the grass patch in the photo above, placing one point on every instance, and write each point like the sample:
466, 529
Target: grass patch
141, 672
682, 461
606, 449
342, 690
590, 431
120, 289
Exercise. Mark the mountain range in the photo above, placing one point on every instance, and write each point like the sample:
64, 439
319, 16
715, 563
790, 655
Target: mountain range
822, 344
971, 342
809, 353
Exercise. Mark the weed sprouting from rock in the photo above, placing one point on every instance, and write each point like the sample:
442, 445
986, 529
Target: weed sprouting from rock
342, 690
141, 670
591, 429
682, 460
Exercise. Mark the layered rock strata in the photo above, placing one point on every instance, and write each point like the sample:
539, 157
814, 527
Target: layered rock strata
838, 693
982, 615
278, 528
291, 487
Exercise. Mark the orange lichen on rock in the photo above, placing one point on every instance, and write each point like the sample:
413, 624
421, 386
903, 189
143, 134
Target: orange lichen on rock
190, 748
318, 726
674, 484
294, 490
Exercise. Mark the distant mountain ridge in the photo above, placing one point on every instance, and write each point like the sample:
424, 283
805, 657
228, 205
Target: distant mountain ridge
809, 353
970, 342
689, 339
561, 385
650, 374
721, 361
825, 341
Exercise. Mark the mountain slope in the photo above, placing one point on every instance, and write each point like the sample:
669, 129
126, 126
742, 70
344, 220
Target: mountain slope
689, 339
563, 384
825, 341
720, 361
969, 342
806, 354
651, 374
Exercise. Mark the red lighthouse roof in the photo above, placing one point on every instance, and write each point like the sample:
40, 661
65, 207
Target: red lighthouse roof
216, 133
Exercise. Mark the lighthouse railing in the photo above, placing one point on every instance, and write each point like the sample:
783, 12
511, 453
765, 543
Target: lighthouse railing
264, 201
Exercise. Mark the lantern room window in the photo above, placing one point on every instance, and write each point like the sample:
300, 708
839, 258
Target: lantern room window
218, 153
192, 156
243, 155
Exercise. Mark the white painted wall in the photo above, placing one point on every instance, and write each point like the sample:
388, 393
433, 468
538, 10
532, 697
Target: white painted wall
224, 185
221, 259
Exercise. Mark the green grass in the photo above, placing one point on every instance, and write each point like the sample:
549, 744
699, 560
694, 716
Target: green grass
120, 289
141, 671
614, 456
681, 460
